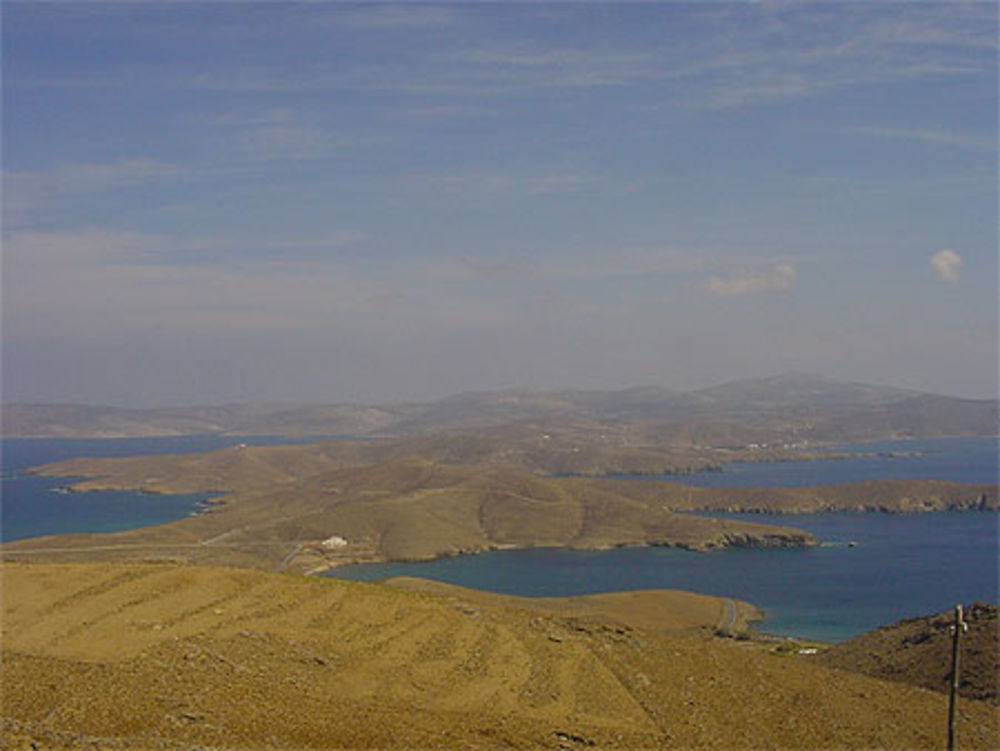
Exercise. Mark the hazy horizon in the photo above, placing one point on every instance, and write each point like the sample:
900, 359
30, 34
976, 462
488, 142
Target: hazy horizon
514, 389
365, 203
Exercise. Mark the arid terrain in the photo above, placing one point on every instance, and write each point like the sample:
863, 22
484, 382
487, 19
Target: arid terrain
165, 656
402, 510
203, 633
918, 651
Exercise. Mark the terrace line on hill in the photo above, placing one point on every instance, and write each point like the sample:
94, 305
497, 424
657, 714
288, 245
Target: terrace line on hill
149, 656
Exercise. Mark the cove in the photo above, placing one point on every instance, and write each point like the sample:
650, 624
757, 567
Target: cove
900, 566
34, 506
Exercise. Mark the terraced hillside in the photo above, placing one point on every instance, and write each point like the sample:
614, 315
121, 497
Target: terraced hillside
160, 656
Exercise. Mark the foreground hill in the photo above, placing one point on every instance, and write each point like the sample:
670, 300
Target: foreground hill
777, 410
918, 651
159, 656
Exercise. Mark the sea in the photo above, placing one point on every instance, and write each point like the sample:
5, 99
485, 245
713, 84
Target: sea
870, 569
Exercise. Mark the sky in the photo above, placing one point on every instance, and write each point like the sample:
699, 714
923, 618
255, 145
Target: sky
218, 202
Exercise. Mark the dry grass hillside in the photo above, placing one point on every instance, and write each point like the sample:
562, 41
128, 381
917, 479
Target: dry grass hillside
918, 651
544, 449
244, 468
163, 656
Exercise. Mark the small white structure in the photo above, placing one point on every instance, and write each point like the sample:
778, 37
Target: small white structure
332, 543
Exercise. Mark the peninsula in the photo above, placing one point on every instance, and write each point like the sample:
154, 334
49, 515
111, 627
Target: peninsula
314, 506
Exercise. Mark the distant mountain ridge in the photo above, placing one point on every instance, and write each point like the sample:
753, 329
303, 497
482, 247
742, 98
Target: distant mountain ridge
785, 407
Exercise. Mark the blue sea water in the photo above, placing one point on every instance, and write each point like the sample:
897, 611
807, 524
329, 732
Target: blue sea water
901, 565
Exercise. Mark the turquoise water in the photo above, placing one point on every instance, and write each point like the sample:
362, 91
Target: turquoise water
901, 565
34, 506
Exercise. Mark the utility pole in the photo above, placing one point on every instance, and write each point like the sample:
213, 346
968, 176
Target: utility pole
959, 626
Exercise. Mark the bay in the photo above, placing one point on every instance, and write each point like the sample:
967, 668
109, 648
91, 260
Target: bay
33, 506
900, 565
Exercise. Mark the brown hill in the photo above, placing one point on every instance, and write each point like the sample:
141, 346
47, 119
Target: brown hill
662, 611
160, 656
401, 510
312, 506
891, 496
544, 449
918, 651
256, 467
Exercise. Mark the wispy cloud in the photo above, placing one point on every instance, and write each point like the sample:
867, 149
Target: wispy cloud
98, 282
44, 252
30, 189
629, 262
779, 277
405, 17
741, 55
553, 181
503, 270
805, 50
953, 138
527, 67
276, 134
947, 265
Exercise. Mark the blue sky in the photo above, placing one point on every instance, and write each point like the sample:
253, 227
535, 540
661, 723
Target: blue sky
220, 202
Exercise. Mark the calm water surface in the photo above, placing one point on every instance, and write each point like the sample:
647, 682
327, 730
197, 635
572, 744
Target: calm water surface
901, 565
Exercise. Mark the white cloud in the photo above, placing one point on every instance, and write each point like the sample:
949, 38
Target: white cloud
99, 284
955, 138
781, 276
946, 265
